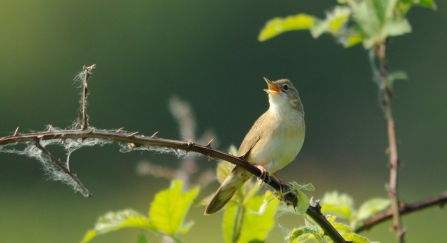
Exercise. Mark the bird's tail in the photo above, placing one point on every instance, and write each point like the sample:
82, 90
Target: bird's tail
232, 183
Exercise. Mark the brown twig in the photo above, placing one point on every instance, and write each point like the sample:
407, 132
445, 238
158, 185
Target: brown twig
86, 75
394, 159
36, 142
404, 209
142, 141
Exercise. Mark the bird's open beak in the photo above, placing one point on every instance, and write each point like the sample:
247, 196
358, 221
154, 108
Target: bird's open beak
273, 89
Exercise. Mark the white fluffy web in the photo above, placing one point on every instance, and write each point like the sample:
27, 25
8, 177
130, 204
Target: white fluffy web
54, 172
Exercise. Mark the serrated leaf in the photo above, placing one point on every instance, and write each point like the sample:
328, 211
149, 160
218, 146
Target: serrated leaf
303, 203
366, 18
396, 75
372, 206
319, 27
394, 27
339, 17
353, 40
117, 220
254, 226
304, 233
355, 238
380, 8
342, 228
339, 204
390, 10
169, 208
278, 25
308, 187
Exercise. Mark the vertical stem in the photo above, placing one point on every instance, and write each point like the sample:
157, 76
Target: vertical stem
87, 72
394, 159
238, 222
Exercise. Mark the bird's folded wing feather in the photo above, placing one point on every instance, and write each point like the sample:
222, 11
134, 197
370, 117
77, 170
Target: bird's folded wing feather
251, 138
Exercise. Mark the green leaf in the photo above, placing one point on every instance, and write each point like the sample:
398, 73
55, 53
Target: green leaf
169, 208
353, 40
303, 203
426, 3
342, 228
394, 27
89, 236
304, 233
380, 8
278, 25
396, 75
142, 238
118, 220
365, 16
372, 206
256, 222
338, 204
355, 238
319, 27
339, 17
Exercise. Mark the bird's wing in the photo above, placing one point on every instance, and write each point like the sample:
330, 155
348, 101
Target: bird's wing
251, 138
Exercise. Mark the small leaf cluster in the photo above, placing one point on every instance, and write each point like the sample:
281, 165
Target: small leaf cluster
166, 215
248, 217
340, 206
352, 22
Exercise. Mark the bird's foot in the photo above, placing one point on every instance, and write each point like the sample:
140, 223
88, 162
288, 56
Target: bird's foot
264, 174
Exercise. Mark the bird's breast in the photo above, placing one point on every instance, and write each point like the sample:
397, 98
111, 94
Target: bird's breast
280, 142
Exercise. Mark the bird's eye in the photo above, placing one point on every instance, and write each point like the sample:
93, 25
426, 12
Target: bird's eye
286, 87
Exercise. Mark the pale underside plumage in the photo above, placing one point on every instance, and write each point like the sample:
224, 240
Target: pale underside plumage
273, 142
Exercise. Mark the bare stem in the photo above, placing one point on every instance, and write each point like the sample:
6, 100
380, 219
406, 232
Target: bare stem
404, 209
394, 159
36, 142
87, 73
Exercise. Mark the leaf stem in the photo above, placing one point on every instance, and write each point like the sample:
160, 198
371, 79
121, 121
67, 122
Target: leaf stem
392, 149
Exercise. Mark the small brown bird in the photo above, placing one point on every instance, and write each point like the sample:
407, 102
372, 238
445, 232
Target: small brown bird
272, 143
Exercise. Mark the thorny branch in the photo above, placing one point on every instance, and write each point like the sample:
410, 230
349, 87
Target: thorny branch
36, 142
85, 74
403, 210
140, 141
385, 89
135, 141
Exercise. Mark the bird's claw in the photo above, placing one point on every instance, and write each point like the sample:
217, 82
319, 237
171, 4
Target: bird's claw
265, 176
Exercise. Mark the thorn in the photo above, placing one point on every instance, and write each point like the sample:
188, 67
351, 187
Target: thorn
209, 158
208, 145
119, 130
39, 136
317, 205
50, 128
16, 132
132, 135
154, 135
189, 144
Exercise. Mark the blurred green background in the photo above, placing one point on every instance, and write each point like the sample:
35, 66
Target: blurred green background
207, 53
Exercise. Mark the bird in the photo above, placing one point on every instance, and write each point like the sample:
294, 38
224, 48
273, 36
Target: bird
273, 141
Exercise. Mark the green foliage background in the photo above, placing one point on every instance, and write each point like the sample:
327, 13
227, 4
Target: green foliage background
207, 52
